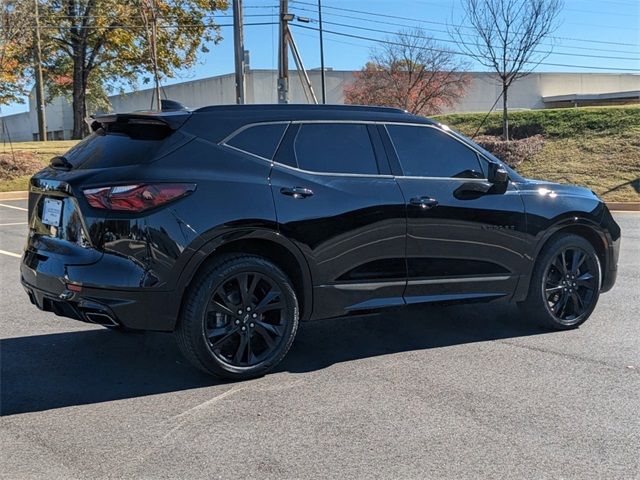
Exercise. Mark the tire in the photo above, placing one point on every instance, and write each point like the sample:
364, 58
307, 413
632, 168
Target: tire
239, 318
558, 305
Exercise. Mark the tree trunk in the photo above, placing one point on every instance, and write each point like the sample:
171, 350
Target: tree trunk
78, 98
505, 116
79, 95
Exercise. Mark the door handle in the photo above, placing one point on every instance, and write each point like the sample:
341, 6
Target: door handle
296, 192
424, 202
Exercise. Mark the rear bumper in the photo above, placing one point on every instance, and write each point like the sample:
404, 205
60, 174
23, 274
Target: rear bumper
77, 310
134, 309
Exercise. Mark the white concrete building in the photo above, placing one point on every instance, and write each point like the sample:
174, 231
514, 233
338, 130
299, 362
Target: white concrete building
538, 90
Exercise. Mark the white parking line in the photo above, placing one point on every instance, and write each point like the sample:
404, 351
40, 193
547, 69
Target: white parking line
10, 254
10, 224
13, 206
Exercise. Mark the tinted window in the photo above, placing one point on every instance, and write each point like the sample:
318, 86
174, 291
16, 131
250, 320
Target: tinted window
100, 150
428, 152
260, 140
335, 148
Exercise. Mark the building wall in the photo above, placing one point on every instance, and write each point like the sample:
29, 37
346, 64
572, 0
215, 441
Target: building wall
59, 117
193, 94
16, 128
527, 92
483, 91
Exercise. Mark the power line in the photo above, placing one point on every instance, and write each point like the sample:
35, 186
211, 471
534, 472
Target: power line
631, 4
453, 25
211, 16
178, 25
431, 29
569, 9
549, 52
389, 42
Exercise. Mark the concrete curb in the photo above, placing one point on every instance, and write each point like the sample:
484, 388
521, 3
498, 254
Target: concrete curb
14, 195
616, 206
624, 206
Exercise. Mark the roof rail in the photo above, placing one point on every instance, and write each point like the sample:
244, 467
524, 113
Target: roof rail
298, 106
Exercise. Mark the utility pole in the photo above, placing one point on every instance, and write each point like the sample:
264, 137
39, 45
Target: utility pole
322, 80
285, 41
238, 45
42, 122
154, 53
283, 53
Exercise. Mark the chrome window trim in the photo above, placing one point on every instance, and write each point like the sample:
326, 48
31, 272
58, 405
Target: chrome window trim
247, 153
462, 179
248, 126
331, 174
273, 163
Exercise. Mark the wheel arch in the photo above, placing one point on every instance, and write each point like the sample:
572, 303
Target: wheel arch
585, 230
581, 227
264, 243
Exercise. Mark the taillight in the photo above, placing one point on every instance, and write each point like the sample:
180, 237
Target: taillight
136, 198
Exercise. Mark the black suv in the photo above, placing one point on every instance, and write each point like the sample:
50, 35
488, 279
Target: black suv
229, 224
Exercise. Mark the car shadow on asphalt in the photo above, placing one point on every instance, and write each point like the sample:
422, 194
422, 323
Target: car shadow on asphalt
326, 342
51, 371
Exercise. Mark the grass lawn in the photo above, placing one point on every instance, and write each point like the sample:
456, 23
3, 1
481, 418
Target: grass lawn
44, 152
598, 147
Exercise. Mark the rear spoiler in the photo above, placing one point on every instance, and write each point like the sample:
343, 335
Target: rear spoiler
171, 119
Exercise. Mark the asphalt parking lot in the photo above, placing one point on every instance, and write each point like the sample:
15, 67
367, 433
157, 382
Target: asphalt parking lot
431, 392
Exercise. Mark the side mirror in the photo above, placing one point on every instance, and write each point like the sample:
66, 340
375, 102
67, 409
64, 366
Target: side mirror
498, 177
497, 174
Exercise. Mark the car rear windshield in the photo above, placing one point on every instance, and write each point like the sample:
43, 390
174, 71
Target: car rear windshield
101, 150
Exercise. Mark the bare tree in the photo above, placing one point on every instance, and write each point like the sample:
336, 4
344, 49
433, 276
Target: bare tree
409, 71
506, 35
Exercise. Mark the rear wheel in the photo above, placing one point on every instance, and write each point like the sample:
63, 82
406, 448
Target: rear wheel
565, 285
240, 318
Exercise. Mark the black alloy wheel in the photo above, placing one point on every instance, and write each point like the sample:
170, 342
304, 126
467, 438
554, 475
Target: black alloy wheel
570, 284
239, 319
245, 319
565, 283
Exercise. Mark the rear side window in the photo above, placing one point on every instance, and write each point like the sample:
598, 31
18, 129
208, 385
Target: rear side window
261, 140
101, 150
335, 148
428, 152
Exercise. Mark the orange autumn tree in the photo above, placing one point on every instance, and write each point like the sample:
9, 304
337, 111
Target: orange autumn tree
16, 40
409, 71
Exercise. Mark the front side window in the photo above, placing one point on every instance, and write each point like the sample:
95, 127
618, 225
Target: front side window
335, 148
261, 140
429, 152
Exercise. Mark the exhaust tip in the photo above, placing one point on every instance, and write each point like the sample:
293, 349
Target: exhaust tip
101, 319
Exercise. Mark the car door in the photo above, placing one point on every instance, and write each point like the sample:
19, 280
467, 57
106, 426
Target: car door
464, 241
336, 199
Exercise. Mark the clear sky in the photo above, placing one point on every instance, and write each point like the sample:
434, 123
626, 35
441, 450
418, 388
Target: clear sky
593, 36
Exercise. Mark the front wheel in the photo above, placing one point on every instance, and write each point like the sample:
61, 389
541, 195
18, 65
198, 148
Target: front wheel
565, 284
239, 319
